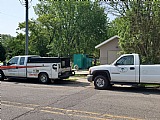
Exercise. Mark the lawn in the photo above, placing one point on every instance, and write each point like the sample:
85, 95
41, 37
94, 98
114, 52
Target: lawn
150, 85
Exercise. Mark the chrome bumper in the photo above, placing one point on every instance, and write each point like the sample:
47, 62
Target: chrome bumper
89, 78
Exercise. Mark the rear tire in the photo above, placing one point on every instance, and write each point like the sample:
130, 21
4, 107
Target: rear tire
1, 76
43, 78
101, 82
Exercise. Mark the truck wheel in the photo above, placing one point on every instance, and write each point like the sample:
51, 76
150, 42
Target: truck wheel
1, 76
43, 78
101, 82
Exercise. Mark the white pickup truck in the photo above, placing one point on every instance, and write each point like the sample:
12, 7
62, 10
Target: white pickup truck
125, 70
43, 68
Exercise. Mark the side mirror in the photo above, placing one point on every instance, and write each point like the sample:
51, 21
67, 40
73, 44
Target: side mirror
8, 64
4, 63
116, 64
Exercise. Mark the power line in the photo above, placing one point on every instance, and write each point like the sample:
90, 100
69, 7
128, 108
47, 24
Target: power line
24, 4
9, 15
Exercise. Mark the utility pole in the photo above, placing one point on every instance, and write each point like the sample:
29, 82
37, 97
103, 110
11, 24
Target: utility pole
26, 47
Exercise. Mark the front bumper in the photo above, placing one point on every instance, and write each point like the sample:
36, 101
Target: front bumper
90, 78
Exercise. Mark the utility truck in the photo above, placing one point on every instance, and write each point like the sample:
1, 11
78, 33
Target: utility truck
32, 66
125, 70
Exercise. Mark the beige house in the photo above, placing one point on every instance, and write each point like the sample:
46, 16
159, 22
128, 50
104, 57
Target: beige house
109, 50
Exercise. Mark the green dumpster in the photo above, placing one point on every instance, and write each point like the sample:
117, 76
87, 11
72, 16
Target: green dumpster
82, 61
78, 61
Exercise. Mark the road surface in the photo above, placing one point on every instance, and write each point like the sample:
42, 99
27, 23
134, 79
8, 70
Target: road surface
76, 100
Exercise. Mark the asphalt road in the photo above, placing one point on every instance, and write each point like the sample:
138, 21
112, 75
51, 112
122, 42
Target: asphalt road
76, 100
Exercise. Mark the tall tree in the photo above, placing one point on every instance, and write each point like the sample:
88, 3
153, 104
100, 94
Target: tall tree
139, 28
72, 26
37, 38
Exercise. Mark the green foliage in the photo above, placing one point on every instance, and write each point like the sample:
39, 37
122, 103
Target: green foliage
13, 46
2, 52
63, 28
139, 29
71, 26
37, 38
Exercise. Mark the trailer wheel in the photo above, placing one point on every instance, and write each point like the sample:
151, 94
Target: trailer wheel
101, 82
1, 76
43, 78
76, 67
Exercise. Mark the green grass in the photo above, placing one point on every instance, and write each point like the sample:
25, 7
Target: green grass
150, 85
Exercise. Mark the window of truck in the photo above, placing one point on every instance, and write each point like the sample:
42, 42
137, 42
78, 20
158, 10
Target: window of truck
126, 60
22, 60
13, 61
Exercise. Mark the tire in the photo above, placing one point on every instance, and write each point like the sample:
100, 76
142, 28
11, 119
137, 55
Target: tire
101, 82
76, 67
43, 78
1, 76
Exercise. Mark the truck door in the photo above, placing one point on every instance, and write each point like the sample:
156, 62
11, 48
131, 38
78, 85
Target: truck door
22, 67
124, 70
12, 67
55, 70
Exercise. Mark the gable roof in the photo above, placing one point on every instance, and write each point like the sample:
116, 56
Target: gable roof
106, 41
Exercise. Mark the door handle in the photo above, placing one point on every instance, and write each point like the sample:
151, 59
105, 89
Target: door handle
132, 68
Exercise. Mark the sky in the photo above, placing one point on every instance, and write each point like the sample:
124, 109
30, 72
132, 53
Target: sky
12, 12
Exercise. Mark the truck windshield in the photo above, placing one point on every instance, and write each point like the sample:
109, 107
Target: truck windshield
13, 61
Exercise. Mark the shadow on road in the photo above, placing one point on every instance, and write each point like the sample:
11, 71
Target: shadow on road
72, 83
142, 90
76, 83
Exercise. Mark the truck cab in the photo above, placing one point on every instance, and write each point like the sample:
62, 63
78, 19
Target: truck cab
16, 67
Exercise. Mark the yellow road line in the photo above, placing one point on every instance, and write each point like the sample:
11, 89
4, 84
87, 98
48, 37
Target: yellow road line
61, 111
75, 111
122, 117
96, 118
52, 112
18, 106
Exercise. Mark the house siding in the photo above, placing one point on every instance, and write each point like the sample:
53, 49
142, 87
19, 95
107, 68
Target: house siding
108, 52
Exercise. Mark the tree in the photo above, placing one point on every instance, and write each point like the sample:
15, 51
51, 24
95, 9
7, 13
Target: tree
2, 52
71, 26
37, 38
139, 28
13, 45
